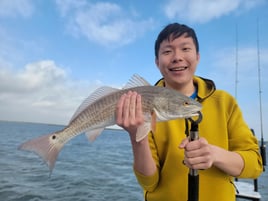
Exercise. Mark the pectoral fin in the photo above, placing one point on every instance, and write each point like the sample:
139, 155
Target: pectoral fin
145, 128
93, 134
143, 131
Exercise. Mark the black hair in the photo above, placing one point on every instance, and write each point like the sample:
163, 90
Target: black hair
173, 31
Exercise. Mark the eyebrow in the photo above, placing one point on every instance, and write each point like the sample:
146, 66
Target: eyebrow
181, 44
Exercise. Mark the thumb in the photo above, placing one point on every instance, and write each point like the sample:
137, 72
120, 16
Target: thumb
183, 143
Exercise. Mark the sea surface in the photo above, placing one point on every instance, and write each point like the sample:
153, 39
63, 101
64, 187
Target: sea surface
84, 171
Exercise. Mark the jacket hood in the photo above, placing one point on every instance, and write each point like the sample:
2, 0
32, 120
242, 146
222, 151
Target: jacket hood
206, 87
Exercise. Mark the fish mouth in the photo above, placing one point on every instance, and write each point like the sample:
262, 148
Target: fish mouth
179, 68
197, 119
189, 115
195, 113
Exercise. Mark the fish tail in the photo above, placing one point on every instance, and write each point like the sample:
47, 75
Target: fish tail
46, 146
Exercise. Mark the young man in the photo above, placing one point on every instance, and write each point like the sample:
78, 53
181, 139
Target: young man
226, 147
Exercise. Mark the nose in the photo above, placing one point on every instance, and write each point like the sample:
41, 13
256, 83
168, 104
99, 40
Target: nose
177, 56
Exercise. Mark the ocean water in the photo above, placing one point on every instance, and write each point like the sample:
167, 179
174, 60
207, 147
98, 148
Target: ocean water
84, 171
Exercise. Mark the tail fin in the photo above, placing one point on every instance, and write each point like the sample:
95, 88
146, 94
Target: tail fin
46, 146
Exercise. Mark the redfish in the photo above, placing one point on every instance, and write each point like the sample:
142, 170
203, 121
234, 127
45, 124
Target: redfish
99, 111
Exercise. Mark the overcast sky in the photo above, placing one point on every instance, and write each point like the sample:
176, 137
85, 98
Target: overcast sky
54, 53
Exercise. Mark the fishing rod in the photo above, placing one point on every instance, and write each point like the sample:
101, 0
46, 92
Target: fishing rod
262, 146
236, 60
193, 176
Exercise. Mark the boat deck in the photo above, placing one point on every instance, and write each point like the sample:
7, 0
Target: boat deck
247, 191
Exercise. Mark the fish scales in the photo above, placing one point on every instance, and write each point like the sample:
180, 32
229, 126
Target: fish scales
103, 111
99, 112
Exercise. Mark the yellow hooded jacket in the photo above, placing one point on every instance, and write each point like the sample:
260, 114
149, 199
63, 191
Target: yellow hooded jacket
222, 125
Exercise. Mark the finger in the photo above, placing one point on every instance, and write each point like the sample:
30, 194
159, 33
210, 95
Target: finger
196, 144
186, 163
203, 141
193, 145
139, 112
192, 153
125, 113
198, 163
119, 110
183, 143
132, 106
197, 151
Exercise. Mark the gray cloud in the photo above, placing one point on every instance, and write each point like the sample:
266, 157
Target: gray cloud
41, 92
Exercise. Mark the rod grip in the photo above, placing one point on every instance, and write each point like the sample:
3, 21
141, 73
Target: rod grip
263, 154
193, 187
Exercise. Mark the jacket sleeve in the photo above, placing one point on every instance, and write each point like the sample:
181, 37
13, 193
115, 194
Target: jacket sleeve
149, 183
243, 142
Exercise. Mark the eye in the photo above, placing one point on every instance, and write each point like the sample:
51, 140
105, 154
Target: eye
166, 52
186, 49
186, 103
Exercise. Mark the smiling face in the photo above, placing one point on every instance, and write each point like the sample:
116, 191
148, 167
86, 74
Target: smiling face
177, 60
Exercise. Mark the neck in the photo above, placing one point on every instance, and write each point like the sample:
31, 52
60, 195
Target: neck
186, 89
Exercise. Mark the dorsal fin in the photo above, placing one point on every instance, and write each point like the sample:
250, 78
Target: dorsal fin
136, 81
97, 94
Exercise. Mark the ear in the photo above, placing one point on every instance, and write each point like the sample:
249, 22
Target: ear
156, 62
198, 57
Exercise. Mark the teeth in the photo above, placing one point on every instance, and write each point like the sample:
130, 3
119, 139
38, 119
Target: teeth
178, 68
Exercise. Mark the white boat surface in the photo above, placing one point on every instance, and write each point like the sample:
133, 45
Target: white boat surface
247, 190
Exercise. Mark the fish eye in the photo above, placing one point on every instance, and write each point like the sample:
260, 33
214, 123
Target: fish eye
54, 137
186, 103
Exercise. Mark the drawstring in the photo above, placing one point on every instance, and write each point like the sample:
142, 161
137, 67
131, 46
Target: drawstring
237, 191
145, 196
